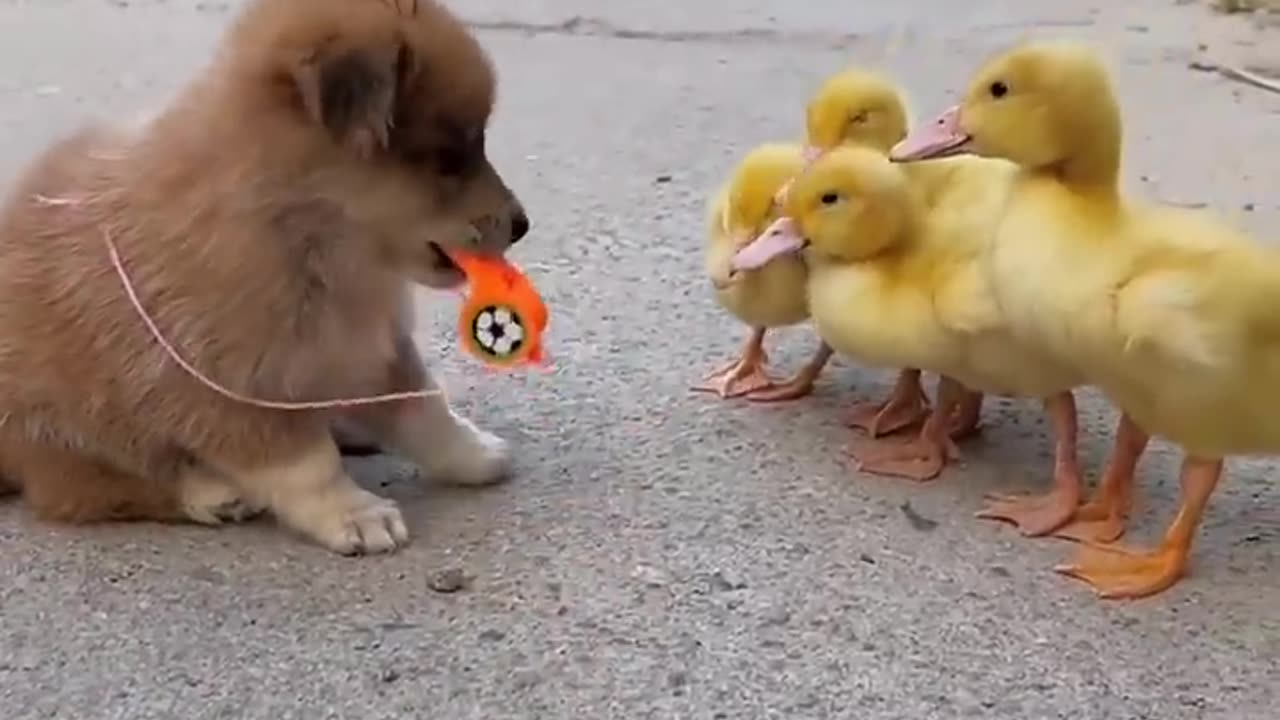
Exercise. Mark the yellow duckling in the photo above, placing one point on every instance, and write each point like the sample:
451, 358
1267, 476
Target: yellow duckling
862, 107
774, 296
896, 280
853, 106
1172, 314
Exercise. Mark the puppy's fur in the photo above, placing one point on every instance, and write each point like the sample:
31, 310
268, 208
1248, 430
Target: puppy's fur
271, 220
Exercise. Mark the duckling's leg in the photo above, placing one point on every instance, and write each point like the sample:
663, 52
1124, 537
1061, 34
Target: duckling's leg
1102, 518
905, 406
743, 375
798, 386
1042, 514
924, 457
964, 421
1119, 572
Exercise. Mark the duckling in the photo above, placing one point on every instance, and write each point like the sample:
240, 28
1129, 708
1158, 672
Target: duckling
853, 106
1169, 311
896, 280
863, 107
773, 296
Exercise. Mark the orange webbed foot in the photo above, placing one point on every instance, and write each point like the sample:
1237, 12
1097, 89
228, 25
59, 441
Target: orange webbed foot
1038, 515
742, 376
1118, 572
798, 386
905, 407
1093, 522
738, 378
920, 459
1115, 571
924, 457
1034, 515
792, 389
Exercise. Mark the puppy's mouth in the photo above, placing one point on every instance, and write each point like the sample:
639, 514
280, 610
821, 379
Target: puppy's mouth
444, 271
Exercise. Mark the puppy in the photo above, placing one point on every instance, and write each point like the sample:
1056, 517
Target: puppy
271, 220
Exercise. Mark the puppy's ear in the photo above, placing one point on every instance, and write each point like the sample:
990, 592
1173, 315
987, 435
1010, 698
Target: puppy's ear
352, 93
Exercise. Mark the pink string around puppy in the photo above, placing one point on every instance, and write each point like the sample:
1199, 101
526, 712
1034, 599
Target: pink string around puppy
229, 393
206, 380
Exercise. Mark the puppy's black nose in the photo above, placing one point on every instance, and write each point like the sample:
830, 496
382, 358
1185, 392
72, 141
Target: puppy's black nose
519, 226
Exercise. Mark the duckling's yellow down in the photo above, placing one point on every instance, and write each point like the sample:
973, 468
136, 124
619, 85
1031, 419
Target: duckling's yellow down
772, 296
1174, 314
896, 274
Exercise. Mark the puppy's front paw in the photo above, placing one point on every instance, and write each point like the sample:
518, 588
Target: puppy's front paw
352, 521
472, 457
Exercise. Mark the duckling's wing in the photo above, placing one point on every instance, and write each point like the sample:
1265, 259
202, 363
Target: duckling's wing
964, 303
1199, 293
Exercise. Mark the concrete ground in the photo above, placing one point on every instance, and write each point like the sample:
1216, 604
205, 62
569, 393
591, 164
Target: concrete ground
662, 555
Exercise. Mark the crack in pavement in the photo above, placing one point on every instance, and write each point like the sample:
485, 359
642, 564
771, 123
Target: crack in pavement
580, 26
596, 27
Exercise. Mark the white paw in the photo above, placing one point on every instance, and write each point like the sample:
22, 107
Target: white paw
352, 521
471, 456
211, 501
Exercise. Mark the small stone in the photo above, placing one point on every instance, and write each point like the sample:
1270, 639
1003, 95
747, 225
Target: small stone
867, 559
999, 571
1249, 207
450, 581
389, 675
777, 615
492, 635
526, 679
662, 179
722, 583
649, 575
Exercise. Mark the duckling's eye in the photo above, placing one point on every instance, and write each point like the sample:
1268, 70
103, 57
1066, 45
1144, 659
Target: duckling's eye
830, 198
859, 119
999, 89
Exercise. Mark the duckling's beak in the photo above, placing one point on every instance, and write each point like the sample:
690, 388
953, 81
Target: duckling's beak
781, 238
941, 138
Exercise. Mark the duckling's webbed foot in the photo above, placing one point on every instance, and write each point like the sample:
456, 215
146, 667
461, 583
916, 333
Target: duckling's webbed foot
798, 386
921, 458
742, 376
1118, 572
1102, 519
905, 407
924, 457
1037, 515
1034, 515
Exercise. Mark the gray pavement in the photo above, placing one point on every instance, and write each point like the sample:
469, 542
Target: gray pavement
661, 555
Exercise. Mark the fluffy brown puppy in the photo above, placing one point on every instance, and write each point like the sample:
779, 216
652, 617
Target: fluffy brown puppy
270, 219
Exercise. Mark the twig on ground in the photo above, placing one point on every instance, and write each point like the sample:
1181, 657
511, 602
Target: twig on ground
1238, 74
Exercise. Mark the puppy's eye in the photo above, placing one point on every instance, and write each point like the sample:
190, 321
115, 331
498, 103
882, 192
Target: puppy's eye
452, 161
830, 198
999, 89
416, 156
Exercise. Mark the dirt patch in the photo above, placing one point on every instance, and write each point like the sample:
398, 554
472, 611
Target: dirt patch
1236, 6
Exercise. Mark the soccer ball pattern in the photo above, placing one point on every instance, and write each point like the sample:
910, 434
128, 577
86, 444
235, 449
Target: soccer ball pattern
498, 331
